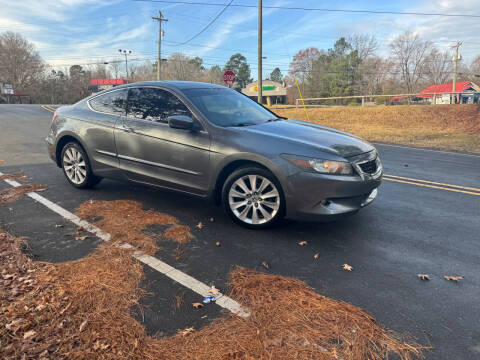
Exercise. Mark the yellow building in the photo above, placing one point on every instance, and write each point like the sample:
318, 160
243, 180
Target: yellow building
272, 92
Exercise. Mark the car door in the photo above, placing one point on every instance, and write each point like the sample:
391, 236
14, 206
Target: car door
150, 151
102, 115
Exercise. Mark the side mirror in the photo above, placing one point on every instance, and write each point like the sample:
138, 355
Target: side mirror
180, 122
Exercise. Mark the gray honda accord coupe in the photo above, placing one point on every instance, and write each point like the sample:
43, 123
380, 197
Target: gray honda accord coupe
213, 142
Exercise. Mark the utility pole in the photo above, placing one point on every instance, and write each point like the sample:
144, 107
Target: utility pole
456, 59
126, 53
160, 18
260, 83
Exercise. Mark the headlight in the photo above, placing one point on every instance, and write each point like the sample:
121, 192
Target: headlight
322, 166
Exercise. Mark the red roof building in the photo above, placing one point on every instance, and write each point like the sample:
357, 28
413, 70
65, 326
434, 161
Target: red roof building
460, 87
467, 92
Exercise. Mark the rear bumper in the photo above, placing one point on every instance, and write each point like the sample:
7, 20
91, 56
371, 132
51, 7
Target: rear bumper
316, 197
51, 149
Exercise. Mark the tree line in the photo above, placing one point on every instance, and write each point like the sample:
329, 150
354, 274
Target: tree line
351, 67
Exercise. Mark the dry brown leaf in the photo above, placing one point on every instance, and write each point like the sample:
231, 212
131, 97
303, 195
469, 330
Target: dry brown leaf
453, 278
79, 229
265, 265
81, 238
214, 291
423, 276
29, 334
13, 324
218, 243
82, 326
66, 308
200, 225
197, 305
98, 345
186, 331
347, 267
302, 243
316, 256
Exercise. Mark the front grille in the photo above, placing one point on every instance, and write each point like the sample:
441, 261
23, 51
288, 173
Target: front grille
369, 167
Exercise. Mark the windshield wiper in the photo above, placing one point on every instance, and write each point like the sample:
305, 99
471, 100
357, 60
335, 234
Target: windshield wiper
243, 124
274, 119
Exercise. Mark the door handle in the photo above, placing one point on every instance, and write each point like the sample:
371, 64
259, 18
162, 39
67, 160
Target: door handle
125, 128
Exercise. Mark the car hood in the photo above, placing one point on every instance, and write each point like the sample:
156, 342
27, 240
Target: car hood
317, 136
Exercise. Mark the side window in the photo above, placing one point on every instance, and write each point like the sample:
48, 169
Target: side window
113, 102
154, 104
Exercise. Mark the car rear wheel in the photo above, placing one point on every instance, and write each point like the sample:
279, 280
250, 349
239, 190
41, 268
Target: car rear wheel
76, 166
253, 198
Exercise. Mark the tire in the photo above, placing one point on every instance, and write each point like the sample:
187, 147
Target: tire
76, 166
255, 208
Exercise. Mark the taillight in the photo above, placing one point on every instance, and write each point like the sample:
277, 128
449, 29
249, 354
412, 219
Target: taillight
54, 116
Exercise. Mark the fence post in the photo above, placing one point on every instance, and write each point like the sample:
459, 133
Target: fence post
363, 101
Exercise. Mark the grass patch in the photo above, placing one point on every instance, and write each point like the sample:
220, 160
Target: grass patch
443, 127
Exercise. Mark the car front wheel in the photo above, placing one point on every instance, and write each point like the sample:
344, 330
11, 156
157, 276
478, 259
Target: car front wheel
253, 197
76, 166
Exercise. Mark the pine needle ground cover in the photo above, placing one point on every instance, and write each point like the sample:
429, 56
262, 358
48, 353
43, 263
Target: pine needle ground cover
84, 309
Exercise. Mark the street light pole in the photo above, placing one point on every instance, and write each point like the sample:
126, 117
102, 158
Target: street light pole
126, 53
260, 83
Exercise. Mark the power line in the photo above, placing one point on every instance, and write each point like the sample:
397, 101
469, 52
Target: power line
312, 9
209, 24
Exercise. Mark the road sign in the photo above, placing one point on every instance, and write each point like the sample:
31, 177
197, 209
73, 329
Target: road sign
229, 77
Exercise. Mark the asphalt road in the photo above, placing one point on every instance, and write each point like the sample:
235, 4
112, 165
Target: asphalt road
409, 229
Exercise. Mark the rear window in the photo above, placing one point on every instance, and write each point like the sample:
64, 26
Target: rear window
154, 104
113, 102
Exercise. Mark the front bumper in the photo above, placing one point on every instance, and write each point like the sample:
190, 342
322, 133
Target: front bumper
317, 197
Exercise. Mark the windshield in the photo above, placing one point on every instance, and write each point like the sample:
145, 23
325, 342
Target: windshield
225, 107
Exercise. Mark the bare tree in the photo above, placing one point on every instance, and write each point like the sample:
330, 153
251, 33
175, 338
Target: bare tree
214, 75
472, 72
302, 63
410, 53
143, 72
115, 67
20, 64
182, 67
366, 45
438, 67
99, 70
374, 73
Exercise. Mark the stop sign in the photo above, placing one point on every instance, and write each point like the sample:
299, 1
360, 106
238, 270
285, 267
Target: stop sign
229, 77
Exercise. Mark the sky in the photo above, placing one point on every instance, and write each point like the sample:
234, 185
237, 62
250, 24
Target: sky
68, 32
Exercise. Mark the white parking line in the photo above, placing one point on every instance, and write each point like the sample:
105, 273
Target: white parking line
160, 266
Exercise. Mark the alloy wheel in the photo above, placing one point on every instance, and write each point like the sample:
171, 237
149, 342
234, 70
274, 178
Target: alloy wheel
74, 165
254, 199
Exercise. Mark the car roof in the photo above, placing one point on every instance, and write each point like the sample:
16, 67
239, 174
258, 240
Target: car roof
176, 85
180, 85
